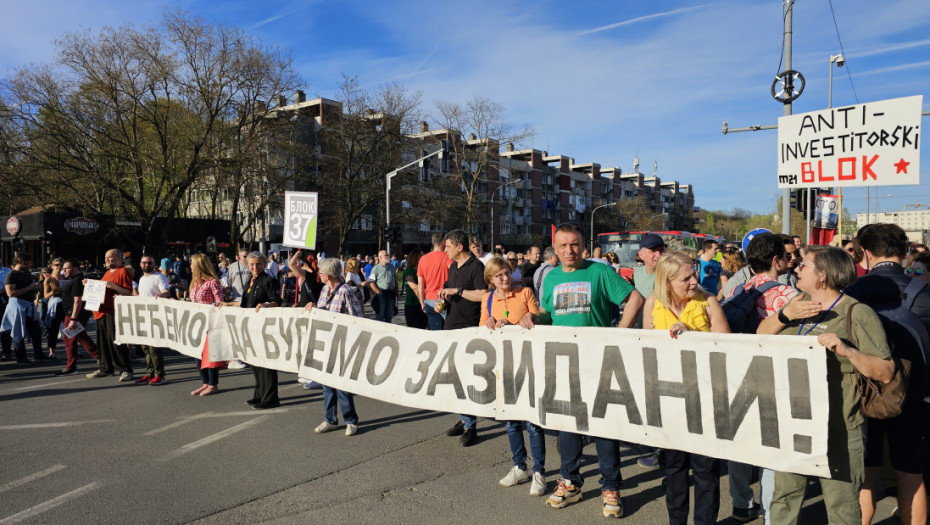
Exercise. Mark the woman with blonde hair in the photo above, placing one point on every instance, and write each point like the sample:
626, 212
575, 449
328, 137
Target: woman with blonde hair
206, 288
678, 304
731, 264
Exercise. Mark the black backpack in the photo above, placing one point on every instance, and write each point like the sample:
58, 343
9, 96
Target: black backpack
740, 308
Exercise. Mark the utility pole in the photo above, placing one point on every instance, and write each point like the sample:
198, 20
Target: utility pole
786, 193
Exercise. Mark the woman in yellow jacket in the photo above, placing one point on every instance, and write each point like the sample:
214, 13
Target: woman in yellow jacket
678, 304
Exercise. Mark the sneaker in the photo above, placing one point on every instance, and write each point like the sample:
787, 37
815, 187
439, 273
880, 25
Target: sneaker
235, 364
747, 515
469, 437
613, 507
565, 494
303, 380
157, 380
351, 429
514, 477
650, 462
538, 488
312, 385
97, 373
66, 371
457, 429
144, 380
325, 427
125, 376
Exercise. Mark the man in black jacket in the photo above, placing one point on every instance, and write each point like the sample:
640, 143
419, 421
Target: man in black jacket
885, 287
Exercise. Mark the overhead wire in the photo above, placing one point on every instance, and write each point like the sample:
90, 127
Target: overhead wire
843, 51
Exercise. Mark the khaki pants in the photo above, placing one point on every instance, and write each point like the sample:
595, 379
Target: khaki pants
840, 494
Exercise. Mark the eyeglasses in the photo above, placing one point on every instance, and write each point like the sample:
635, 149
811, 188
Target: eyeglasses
915, 271
805, 264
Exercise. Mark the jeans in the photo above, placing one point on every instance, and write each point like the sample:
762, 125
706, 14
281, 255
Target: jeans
346, 405
608, 460
468, 421
706, 487
537, 444
741, 487
385, 310
435, 320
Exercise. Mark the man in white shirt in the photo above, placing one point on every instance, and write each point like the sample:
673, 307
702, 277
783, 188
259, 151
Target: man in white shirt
477, 249
272, 268
152, 284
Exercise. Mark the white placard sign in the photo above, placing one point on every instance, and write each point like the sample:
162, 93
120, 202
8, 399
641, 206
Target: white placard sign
300, 218
94, 294
871, 144
755, 399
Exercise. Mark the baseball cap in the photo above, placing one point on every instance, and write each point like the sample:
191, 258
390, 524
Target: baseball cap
651, 241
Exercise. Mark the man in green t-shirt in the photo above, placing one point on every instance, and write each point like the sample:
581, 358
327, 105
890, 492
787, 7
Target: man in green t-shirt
579, 293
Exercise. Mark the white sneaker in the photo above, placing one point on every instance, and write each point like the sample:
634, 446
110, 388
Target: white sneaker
324, 427
235, 364
126, 376
303, 380
313, 385
514, 477
539, 485
351, 429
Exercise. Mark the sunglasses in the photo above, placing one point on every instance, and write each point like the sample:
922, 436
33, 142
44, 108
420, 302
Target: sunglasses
511, 259
915, 271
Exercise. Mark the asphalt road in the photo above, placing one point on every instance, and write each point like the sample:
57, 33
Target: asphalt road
78, 450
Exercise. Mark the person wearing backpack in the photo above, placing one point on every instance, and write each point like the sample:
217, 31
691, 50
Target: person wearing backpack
856, 345
903, 305
745, 307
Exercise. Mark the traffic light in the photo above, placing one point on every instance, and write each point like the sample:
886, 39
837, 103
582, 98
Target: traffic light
424, 167
444, 156
19, 245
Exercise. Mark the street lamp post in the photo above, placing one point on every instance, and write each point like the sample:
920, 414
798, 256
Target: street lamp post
491, 210
592, 220
840, 62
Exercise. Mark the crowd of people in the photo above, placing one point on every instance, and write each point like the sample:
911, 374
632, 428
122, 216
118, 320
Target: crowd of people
867, 303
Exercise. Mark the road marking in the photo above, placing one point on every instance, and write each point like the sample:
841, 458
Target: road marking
190, 447
209, 415
50, 504
54, 425
31, 477
46, 385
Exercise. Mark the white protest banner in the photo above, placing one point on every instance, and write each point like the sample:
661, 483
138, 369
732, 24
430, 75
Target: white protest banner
300, 218
741, 397
94, 293
871, 144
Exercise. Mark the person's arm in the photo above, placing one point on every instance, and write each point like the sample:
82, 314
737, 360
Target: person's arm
795, 309
422, 296
117, 289
634, 303
718, 320
414, 287
12, 291
474, 295
648, 323
873, 367
292, 264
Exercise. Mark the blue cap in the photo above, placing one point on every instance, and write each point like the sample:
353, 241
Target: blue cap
651, 241
752, 234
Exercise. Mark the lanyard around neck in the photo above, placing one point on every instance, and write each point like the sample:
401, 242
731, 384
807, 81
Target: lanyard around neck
819, 318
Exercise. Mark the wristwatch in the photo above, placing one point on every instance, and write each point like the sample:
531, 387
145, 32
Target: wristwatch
459, 291
782, 318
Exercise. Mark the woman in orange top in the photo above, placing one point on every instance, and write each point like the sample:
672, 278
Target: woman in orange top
502, 306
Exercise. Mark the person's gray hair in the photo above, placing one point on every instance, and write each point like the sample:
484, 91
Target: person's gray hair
549, 252
330, 266
837, 266
256, 255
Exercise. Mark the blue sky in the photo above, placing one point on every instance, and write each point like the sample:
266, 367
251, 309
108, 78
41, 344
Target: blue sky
599, 81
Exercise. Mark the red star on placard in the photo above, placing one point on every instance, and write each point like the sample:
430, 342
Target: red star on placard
902, 166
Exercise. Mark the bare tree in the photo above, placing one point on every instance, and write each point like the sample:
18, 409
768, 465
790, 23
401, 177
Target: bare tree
127, 122
481, 127
636, 214
365, 144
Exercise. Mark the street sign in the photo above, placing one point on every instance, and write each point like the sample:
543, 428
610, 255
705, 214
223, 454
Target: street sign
300, 218
13, 225
871, 144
